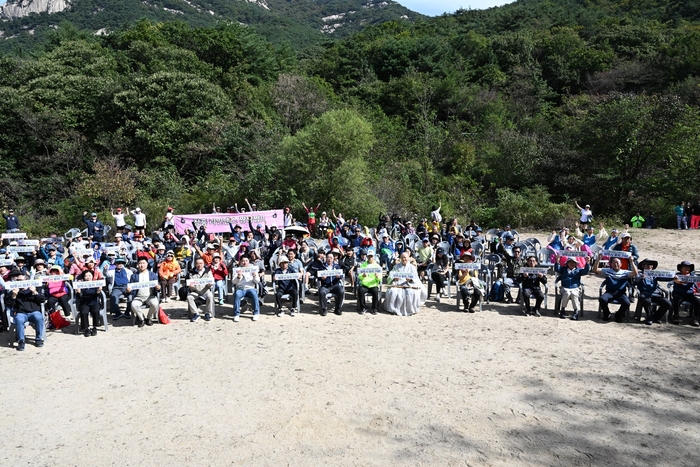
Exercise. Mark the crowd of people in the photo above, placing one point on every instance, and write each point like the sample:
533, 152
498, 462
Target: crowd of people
55, 279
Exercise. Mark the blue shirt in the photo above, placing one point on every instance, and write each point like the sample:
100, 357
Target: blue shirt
615, 281
571, 278
120, 279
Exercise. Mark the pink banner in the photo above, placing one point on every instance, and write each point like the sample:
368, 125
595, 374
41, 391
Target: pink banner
218, 223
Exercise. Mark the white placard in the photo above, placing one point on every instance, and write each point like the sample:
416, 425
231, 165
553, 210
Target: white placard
142, 285
574, 253
6, 262
330, 272
14, 235
534, 270
688, 278
244, 270
199, 282
27, 242
660, 274
20, 249
370, 270
288, 277
468, 266
616, 253
88, 284
400, 275
56, 278
52, 240
22, 284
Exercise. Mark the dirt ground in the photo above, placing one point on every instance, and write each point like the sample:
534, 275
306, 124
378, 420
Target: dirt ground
438, 388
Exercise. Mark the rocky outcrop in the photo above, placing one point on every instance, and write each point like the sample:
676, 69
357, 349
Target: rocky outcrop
19, 8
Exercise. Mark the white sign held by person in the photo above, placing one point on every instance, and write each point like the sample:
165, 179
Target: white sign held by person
16, 235
20, 249
56, 278
574, 253
468, 266
142, 285
88, 284
200, 282
688, 278
27, 242
288, 276
616, 253
534, 270
400, 275
370, 270
22, 284
6, 262
660, 274
247, 269
330, 272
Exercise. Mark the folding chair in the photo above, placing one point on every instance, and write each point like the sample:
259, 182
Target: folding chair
103, 312
521, 298
557, 299
287, 297
630, 296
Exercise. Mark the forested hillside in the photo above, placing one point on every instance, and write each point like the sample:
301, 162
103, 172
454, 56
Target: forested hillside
504, 115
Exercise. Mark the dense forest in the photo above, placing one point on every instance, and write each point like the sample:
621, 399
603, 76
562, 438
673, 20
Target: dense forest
503, 115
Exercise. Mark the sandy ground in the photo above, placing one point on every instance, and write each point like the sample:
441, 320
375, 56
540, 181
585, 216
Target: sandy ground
438, 388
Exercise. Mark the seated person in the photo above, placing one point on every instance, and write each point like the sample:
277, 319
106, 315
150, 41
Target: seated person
220, 272
612, 240
289, 242
58, 292
331, 285
26, 307
683, 292
387, 252
440, 273
531, 288
469, 283
570, 278
285, 287
348, 264
369, 283
200, 294
246, 285
88, 302
425, 256
649, 293
118, 279
147, 296
168, 274
405, 296
616, 282
627, 245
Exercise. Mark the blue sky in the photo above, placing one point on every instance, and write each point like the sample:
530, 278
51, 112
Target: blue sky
436, 8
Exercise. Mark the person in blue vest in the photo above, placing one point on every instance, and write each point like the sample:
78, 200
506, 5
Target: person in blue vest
331, 285
683, 292
117, 280
649, 293
616, 284
12, 221
570, 279
286, 287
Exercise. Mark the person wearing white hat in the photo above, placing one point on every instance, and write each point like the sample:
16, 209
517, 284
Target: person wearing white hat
285, 287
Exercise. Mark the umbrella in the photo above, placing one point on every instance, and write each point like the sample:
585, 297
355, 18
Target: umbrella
296, 230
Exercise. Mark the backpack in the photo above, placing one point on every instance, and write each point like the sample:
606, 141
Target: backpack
497, 293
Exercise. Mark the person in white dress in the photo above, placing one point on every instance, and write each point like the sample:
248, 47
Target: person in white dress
405, 295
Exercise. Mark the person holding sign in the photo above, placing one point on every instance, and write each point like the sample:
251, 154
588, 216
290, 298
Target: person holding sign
616, 283
285, 287
88, 304
200, 293
531, 288
168, 273
405, 294
118, 278
627, 245
683, 292
246, 284
648, 287
331, 285
58, 291
25, 304
469, 284
369, 282
570, 278
144, 296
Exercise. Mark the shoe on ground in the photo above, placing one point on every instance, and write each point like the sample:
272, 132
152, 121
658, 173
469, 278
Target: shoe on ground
256, 316
374, 312
574, 317
221, 302
118, 316
648, 322
86, 332
194, 317
140, 322
618, 318
562, 315
149, 322
472, 310
537, 313
127, 315
525, 313
363, 311
207, 317
676, 320
437, 298
20, 346
280, 313
166, 300
324, 312
337, 312
292, 312
93, 332
695, 322
236, 319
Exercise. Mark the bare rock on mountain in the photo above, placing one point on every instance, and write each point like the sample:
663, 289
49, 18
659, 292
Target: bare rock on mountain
19, 8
